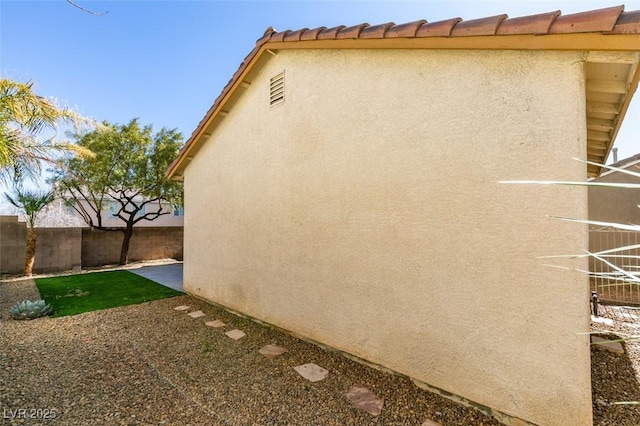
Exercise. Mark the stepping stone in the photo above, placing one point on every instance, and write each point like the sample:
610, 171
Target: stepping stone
181, 308
601, 320
365, 400
235, 334
430, 423
216, 323
196, 314
271, 351
608, 345
311, 372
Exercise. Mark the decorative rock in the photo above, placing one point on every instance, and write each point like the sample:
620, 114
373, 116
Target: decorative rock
601, 402
235, 334
364, 399
216, 323
181, 308
271, 351
430, 423
312, 372
599, 342
196, 314
601, 320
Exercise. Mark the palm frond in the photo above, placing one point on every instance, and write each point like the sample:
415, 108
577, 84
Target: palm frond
23, 117
569, 183
600, 223
30, 203
617, 169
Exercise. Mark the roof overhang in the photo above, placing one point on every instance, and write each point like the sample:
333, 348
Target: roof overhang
611, 80
610, 41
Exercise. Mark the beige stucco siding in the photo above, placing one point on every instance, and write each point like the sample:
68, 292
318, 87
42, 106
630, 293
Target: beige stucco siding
365, 213
618, 205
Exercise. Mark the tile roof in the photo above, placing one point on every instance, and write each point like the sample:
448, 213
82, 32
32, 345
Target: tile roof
610, 21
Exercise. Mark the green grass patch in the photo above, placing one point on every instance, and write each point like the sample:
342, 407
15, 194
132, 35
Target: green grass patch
75, 294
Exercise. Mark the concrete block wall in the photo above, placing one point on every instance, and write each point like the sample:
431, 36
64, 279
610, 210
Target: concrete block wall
62, 249
13, 236
100, 247
103, 248
58, 249
157, 243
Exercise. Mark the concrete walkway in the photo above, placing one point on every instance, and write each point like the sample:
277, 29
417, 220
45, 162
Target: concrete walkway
167, 275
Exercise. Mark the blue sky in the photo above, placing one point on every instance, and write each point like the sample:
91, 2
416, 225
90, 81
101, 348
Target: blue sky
166, 61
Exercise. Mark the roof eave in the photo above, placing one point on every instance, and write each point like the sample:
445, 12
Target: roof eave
595, 41
623, 111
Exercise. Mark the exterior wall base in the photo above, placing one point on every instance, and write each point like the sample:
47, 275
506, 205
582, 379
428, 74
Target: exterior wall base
501, 417
498, 415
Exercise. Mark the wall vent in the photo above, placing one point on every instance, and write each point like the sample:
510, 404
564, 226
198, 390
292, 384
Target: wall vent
276, 89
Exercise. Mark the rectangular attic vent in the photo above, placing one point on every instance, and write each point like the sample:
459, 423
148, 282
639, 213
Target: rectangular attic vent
276, 89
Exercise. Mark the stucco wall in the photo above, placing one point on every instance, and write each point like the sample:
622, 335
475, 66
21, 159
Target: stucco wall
364, 213
617, 205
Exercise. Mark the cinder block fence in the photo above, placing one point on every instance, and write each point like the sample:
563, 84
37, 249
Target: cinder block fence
62, 249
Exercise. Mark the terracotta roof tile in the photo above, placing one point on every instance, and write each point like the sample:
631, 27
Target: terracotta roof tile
437, 29
279, 36
352, 32
376, 31
531, 24
405, 30
312, 34
628, 23
583, 22
266, 36
611, 20
478, 27
295, 35
330, 33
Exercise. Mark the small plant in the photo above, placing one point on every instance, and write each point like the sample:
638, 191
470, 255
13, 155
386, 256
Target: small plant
207, 347
29, 309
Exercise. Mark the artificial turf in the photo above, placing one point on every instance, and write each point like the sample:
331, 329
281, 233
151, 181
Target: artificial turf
75, 294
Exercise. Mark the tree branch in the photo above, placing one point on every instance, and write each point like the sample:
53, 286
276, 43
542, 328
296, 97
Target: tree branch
87, 10
78, 206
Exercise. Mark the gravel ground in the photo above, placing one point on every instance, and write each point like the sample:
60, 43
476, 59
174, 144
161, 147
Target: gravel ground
616, 377
148, 364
